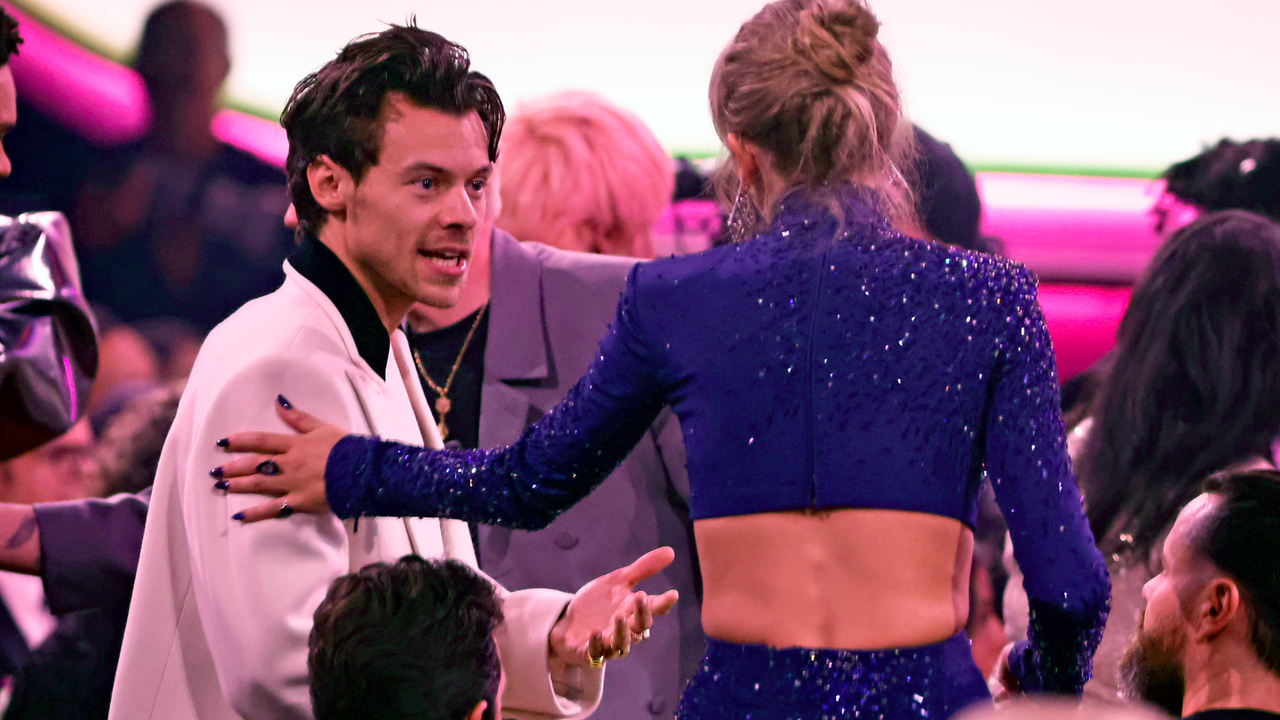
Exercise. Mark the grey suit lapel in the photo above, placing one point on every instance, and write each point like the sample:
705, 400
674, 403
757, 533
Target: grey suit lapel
516, 347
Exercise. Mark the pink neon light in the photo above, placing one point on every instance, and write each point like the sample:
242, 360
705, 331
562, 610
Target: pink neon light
263, 138
1092, 228
105, 102
1082, 321
96, 98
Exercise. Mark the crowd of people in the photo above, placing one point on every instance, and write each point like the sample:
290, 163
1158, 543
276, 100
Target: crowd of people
355, 446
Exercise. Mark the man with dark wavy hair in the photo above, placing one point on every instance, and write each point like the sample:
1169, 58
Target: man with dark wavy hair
1208, 645
390, 148
412, 639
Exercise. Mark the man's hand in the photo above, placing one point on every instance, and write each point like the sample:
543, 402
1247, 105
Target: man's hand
607, 615
1002, 684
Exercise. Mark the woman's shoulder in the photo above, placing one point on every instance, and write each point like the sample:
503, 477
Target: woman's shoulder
971, 273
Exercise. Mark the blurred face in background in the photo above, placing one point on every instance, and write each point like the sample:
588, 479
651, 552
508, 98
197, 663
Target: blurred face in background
62, 469
1170, 214
8, 114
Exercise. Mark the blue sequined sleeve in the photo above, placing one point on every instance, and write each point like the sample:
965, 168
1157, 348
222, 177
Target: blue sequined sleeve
1026, 458
554, 464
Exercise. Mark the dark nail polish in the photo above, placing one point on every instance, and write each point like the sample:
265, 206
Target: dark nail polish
223, 442
283, 402
216, 472
238, 516
222, 485
268, 467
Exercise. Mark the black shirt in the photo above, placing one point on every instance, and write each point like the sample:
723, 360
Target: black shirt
437, 351
316, 262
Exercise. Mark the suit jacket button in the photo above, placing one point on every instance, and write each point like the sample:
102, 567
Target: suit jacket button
657, 705
566, 541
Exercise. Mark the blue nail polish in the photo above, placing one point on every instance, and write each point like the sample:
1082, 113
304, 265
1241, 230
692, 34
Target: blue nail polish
222, 485
283, 402
224, 442
216, 472
238, 516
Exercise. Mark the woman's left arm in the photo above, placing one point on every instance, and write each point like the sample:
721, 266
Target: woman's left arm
555, 463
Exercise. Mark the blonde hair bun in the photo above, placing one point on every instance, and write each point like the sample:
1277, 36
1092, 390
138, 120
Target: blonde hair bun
837, 38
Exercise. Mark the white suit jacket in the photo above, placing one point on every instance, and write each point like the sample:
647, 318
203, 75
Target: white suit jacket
221, 612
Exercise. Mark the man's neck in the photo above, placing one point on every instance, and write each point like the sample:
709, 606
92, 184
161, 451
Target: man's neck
475, 292
1240, 683
391, 308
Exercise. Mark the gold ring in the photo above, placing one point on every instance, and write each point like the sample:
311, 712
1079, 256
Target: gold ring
595, 662
640, 636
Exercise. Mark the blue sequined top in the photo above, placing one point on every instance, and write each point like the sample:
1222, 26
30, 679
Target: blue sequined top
823, 364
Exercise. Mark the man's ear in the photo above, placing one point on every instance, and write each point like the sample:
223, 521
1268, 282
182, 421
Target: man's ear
479, 711
1219, 605
331, 185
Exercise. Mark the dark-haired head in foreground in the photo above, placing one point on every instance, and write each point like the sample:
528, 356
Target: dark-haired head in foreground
9, 42
413, 640
1194, 386
1210, 632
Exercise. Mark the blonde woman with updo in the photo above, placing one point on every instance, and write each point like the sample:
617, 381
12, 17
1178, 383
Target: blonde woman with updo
580, 173
842, 388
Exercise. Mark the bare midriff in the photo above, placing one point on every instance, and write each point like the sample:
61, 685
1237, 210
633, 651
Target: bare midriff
855, 579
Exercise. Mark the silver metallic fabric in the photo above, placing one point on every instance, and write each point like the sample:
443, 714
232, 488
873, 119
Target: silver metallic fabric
48, 339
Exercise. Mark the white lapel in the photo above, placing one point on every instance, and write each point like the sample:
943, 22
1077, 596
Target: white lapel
455, 538
390, 411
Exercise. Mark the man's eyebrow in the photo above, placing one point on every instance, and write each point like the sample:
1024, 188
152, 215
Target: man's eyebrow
427, 167
486, 169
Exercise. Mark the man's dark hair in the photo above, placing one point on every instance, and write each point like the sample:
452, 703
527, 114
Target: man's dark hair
1242, 538
336, 111
9, 37
409, 640
1230, 175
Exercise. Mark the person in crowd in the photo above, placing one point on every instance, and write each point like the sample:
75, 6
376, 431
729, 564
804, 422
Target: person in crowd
1228, 176
411, 640
1190, 394
10, 39
180, 224
580, 173
390, 146
61, 469
835, 459
1208, 644
524, 327
947, 196
69, 676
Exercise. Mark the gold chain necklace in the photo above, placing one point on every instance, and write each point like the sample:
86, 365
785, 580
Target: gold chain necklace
442, 404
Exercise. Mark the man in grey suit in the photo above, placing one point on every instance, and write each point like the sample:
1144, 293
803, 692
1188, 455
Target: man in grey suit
525, 329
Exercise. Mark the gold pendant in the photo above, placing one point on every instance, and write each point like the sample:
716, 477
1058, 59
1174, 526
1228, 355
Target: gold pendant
443, 406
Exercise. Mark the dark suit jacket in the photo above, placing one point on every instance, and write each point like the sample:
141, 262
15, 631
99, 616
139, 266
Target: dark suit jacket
549, 309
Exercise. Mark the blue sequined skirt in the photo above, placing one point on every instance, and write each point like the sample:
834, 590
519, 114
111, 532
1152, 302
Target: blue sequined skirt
757, 682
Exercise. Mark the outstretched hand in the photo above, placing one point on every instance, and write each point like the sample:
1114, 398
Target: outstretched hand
606, 615
288, 467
